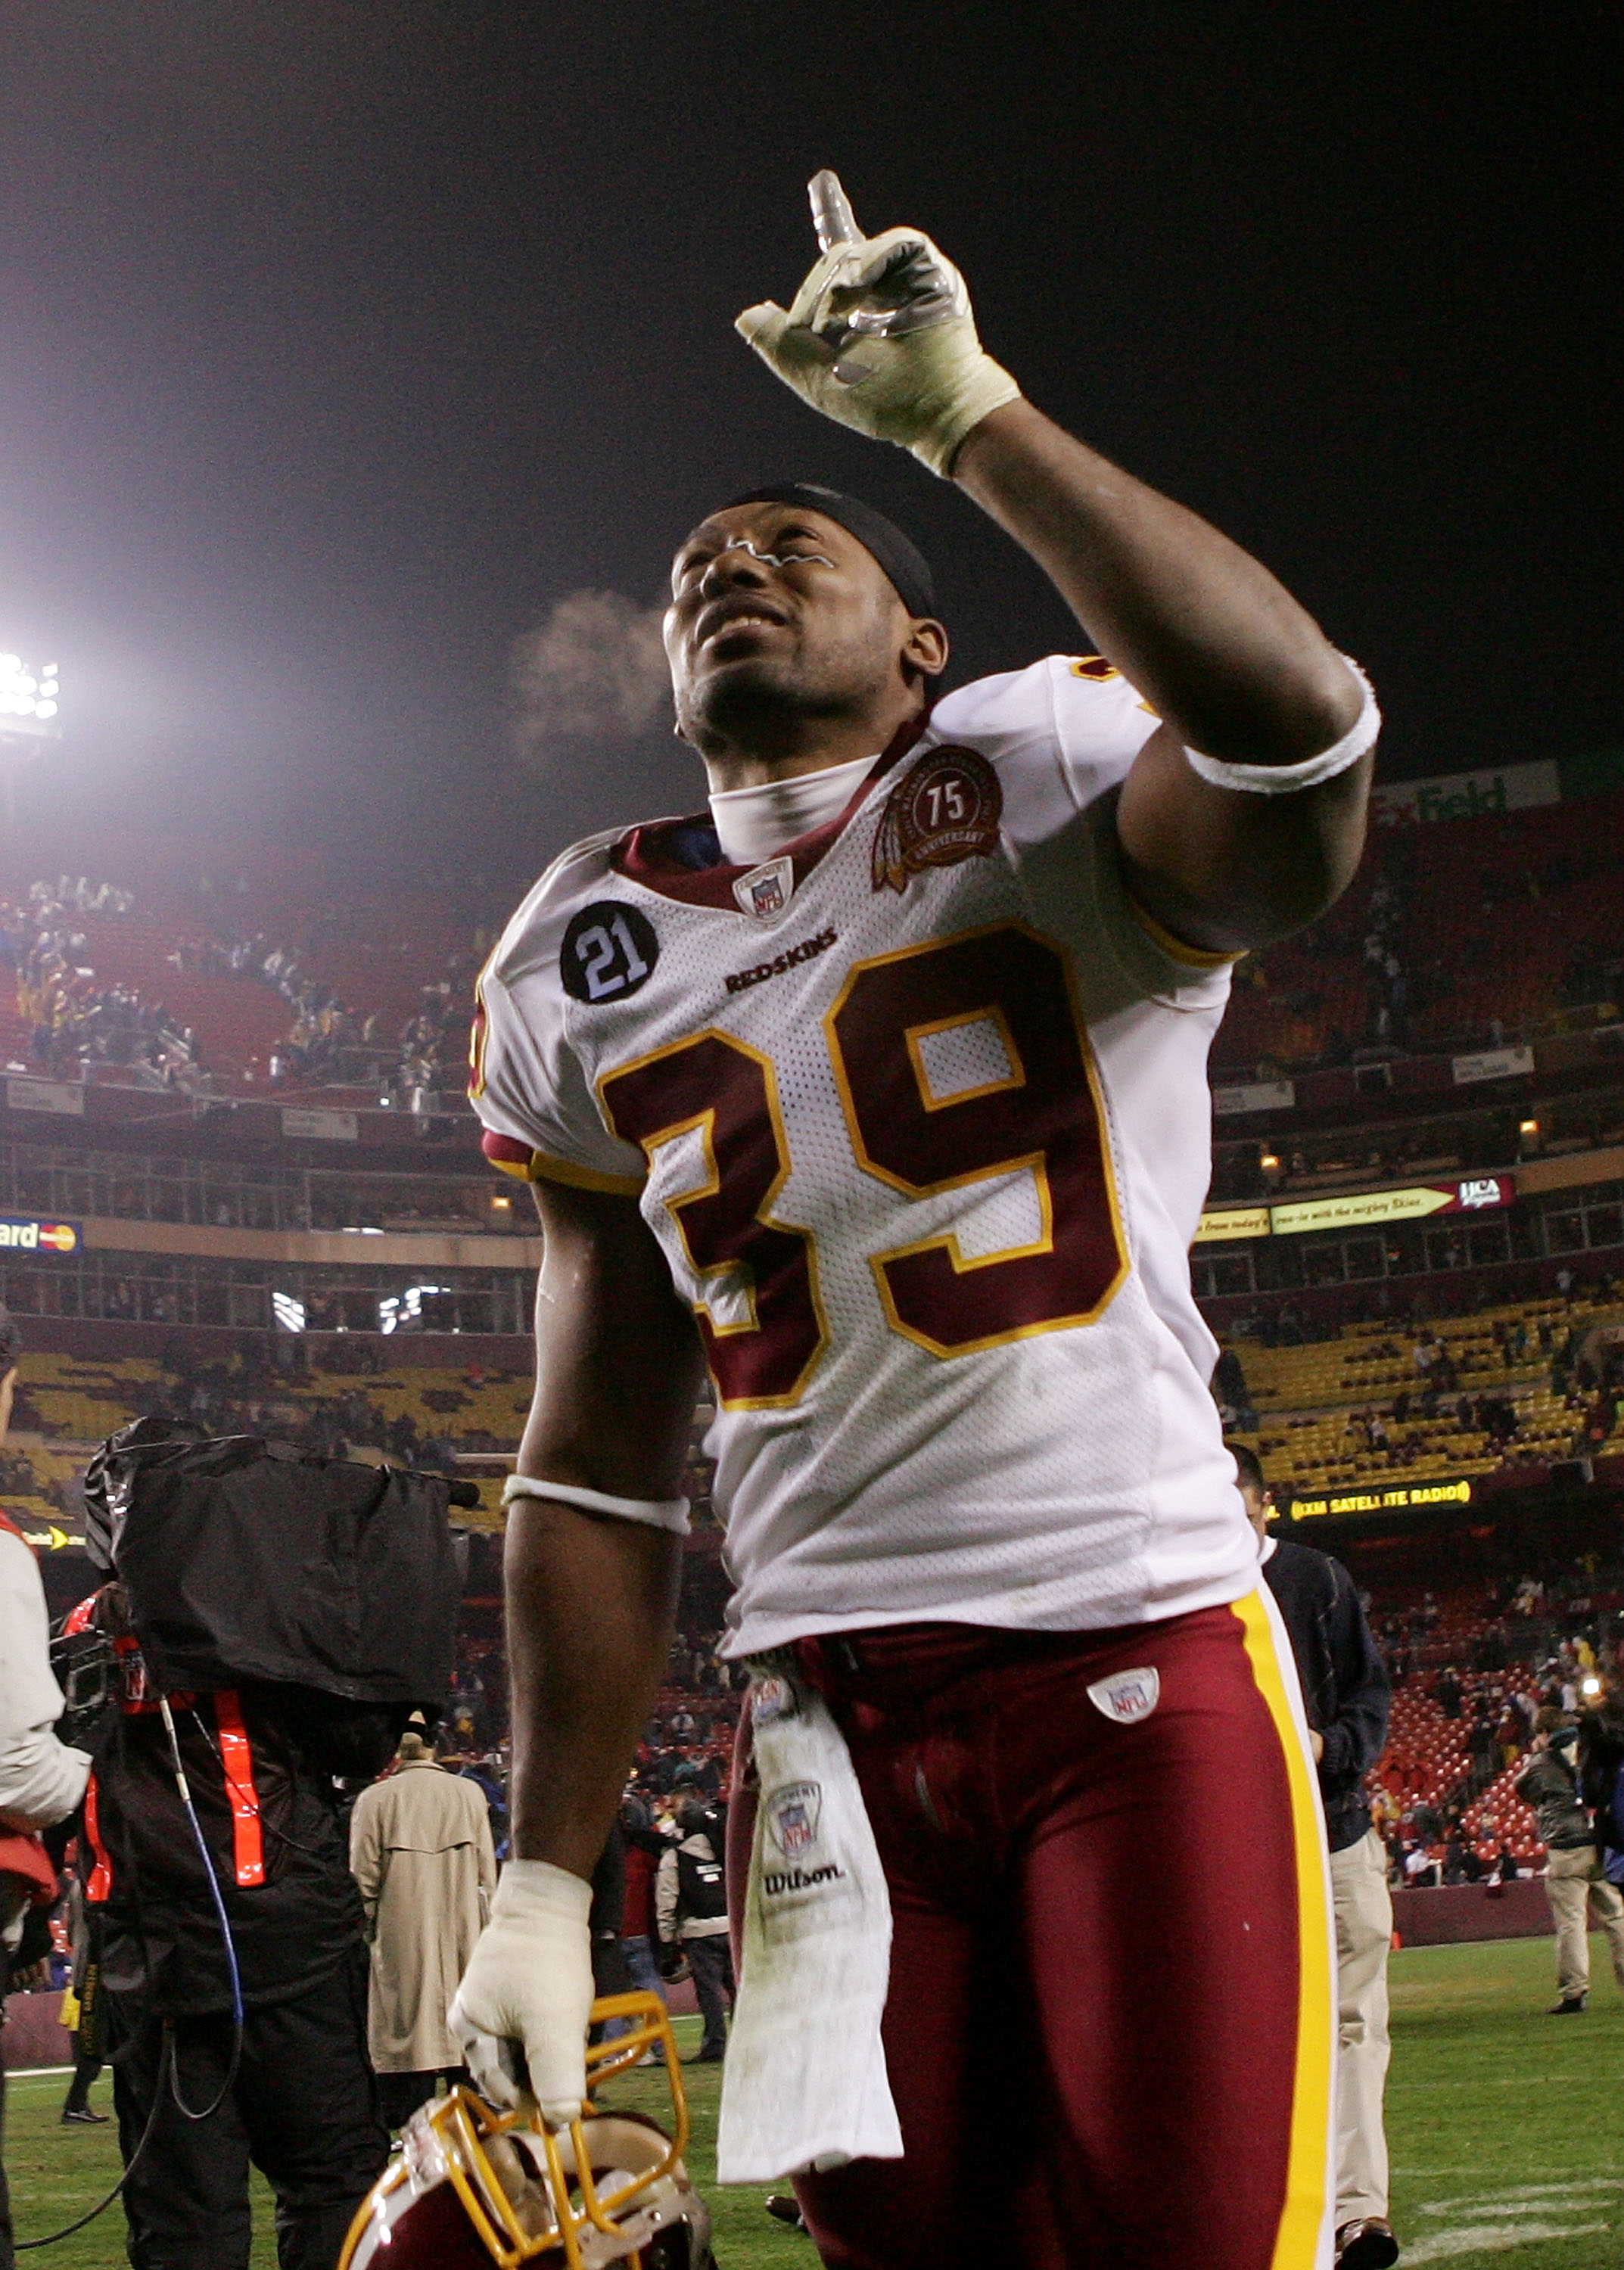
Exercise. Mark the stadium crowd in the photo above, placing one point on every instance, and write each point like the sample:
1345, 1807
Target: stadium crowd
329, 1043
74, 1018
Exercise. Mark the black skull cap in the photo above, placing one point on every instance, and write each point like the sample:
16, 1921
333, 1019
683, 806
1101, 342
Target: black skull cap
897, 554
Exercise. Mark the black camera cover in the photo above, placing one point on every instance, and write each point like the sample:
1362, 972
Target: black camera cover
246, 1560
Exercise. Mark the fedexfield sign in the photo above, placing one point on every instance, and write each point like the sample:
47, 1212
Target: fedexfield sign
1465, 796
27, 1233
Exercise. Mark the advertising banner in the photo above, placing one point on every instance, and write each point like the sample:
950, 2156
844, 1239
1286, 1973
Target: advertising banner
1255, 1096
1383, 1498
1464, 795
1357, 1208
1233, 1222
1492, 1063
27, 1233
324, 1126
66, 1098
53, 1538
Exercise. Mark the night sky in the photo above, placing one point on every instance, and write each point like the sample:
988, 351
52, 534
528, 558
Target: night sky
340, 343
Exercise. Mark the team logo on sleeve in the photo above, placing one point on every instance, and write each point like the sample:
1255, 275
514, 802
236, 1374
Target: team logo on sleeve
1128, 1696
945, 808
609, 951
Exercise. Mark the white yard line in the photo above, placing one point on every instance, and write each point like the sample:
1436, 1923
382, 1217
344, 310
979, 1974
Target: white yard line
1503, 2216
1510, 2197
1495, 2238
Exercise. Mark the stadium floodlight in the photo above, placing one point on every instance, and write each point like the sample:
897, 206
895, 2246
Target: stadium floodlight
30, 700
408, 1308
288, 1312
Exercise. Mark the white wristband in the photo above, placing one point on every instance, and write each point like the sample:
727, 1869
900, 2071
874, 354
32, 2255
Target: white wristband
529, 1889
654, 1513
1291, 780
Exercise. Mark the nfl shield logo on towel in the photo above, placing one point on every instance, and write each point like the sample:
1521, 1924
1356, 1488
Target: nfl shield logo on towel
1128, 1696
792, 1817
771, 1698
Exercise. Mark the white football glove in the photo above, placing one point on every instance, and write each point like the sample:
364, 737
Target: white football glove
880, 336
522, 2011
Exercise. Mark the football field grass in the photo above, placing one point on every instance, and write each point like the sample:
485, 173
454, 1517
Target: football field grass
1506, 2128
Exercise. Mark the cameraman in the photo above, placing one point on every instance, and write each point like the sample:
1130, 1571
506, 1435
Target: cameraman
41, 1781
286, 2084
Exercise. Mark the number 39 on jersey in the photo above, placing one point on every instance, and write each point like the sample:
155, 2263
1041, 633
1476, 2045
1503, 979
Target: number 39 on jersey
916, 1126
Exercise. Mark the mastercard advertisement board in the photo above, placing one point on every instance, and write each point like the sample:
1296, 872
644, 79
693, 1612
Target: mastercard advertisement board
33, 1235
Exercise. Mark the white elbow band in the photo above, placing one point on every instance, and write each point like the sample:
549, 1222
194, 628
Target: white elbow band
1290, 780
654, 1513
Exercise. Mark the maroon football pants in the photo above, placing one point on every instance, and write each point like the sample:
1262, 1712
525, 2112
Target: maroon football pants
1110, 2017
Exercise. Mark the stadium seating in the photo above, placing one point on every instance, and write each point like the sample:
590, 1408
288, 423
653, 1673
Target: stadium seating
1424, 1761
1499, 1817
374, 953
1308, 1398
67, 1404
1474, 956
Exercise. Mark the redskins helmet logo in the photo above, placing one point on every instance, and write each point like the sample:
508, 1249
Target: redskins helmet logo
470, 2186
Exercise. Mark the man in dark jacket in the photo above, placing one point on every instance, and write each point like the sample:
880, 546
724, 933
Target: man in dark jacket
291, 2089
1550, 1784
1346, 1695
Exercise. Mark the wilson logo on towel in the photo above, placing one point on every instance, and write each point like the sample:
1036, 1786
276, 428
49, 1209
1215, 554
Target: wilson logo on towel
792, 1817
1127, 1696
800, 1880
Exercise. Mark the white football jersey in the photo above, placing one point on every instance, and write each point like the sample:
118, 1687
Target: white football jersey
918, 1113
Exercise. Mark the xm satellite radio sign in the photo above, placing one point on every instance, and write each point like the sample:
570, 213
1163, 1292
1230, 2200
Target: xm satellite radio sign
28, 1234
1398, 1497
1357, 1209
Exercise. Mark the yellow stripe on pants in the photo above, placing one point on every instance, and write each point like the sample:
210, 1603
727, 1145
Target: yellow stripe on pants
1309, 2172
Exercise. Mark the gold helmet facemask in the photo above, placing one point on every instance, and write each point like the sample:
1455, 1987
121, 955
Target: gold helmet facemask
472, 2186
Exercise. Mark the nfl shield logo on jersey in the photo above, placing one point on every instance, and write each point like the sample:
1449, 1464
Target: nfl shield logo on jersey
792, 1817
1128, 1696
764, 891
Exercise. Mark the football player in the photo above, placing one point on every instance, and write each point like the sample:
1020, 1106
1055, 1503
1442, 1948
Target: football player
879, 1087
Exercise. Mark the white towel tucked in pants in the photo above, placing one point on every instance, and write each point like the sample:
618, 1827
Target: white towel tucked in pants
805, 2082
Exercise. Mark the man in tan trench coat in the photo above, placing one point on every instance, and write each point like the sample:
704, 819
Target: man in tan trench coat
420, 1851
